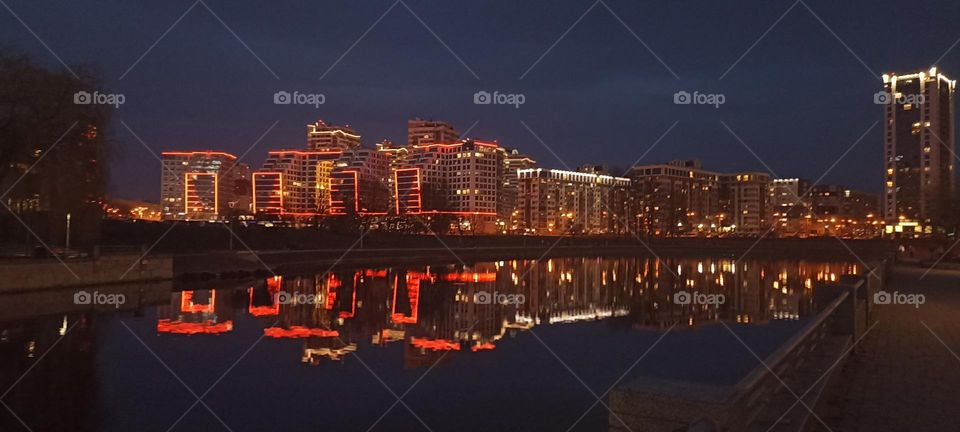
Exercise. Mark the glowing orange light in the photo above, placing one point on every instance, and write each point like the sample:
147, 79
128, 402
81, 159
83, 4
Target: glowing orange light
190, 328
483, 346
297, 332
435, 344
470, 277
187, 305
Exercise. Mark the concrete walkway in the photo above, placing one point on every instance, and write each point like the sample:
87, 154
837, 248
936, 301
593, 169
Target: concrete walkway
903, 376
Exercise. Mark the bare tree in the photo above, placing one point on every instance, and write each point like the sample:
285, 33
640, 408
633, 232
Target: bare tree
52, 149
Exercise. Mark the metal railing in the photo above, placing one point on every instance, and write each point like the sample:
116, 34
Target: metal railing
779, 394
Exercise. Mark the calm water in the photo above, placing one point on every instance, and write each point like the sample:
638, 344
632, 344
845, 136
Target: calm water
341, 347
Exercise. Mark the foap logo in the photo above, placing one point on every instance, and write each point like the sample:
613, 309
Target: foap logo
289, 298
696, 98
296, 98
496, 98
885, 98
98, 298
486, 297
96, 98
898, 298
697, 298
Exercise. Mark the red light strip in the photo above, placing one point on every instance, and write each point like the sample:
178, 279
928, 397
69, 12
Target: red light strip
296, 332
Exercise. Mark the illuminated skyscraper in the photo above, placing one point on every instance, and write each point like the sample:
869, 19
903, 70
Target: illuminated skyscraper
919, 150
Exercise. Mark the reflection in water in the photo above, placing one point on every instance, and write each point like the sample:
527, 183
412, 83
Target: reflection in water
453, 308
430, 313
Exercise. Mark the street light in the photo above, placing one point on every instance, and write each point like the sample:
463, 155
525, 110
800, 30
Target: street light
68, 232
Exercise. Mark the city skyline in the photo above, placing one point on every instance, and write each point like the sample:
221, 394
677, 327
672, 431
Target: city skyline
480, 187
176, 96
587, 215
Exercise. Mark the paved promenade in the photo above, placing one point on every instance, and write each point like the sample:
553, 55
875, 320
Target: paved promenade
901, 377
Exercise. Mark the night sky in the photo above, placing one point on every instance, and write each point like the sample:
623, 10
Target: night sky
799, 98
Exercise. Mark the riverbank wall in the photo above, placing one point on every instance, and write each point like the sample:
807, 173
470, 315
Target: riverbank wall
30, 274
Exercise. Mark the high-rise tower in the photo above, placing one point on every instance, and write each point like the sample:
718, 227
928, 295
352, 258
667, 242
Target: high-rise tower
919, 150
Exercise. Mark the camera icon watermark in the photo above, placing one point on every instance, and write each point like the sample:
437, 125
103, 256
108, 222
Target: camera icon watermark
698, 298
98, 298
886, 98
289, 298
486, 297
897, 298
296, 98
696, 98
96, 98
496, 98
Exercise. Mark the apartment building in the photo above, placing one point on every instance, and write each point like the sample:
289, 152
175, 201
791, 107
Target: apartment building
360, 182
295, 182
325, 137
513, 162
676, 198
919, 150
680, 198
426, 132
198, 185
743, 202
553, 201
845, 212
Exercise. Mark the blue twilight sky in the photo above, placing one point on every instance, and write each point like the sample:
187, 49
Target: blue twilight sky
800, 98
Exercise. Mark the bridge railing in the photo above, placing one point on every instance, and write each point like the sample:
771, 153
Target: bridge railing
761, 399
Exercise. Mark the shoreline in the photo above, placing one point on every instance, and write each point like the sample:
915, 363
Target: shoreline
226, 264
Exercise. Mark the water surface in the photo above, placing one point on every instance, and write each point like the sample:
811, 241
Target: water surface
509, 345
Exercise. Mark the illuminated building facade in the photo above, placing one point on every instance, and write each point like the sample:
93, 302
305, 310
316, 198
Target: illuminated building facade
267, 192
743, 202
463, 179
360, 182
788, 206
919, 147
681, 198
425, 132
514, 161
294, 182
198, 185
677, 198
786, 196
324, 137
568, 202
844, 212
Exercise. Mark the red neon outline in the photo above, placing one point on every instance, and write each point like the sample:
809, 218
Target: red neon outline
305, 152
186, 192
279, 176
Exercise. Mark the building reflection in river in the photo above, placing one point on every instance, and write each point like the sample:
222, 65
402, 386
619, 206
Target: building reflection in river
432, 313
439, 311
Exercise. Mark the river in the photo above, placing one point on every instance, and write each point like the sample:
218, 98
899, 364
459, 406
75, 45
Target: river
520, 345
